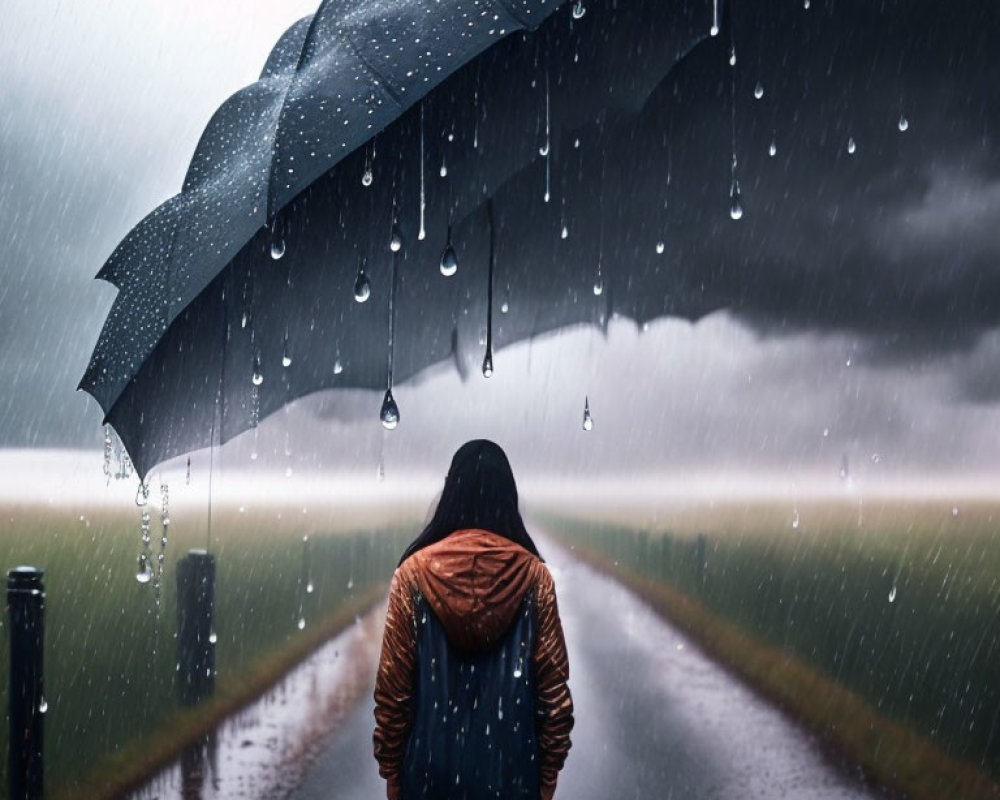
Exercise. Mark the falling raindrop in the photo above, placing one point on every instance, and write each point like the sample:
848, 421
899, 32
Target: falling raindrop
795, 518
257, 376
310, 588
396, 239
588, 422
732, 56
892, 594
286, 354
714, 30
277, 241
422, 233
598, 287
443, 172
565, 233
43, 706
578, 9
805, 4
212, 638
107, 452
488, 357
736, 204
449, 261
772, 149
660, 247
302, 623
504, 307
758, 90
389, 413
338, 367
366, 176
362, 286
546, 148
904, 123
851, 145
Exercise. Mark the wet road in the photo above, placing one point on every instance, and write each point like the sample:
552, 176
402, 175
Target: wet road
654, 717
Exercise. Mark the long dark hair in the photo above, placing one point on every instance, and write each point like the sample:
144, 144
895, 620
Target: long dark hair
479, 492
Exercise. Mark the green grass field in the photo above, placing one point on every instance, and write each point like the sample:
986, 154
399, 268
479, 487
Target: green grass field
110, 656
898, 602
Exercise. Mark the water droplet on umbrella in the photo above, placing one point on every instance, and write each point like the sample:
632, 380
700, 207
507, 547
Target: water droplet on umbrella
892, 594
660, 247
389, 413
758, 90
362, 286
366, 177
904, 123
851, 145
142, 495
395, 240
449, 261
588, 422
257, 377
736, 204
488, 365
578, 9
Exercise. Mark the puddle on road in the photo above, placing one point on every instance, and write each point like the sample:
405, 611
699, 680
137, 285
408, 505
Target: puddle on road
264, 750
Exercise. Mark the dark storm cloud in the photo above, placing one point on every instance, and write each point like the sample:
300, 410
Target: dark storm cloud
897, 241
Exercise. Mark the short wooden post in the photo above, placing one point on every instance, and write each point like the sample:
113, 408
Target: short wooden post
26, 610
195, 609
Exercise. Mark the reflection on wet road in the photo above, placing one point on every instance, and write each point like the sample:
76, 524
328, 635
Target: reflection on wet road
654, 718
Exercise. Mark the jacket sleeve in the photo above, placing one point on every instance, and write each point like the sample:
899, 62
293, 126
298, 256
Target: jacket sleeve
555, 705
394, 684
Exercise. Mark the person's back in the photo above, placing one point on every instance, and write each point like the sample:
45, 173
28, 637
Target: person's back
471, 694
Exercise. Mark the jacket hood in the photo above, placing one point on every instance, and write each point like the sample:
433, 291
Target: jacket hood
474, 581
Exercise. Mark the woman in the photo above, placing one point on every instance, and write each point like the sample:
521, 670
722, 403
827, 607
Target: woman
471, 700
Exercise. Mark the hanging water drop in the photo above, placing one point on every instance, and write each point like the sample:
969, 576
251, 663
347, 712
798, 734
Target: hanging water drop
362, 286
578, 9
449, 261
144, 573
277, 241
758, 90
736, 204
142, 495
257, 377
588, 422
389, 413
714, 30
488, 364
660, 247
904, 123
851, 145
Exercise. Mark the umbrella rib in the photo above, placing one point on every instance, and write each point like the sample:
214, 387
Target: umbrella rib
380, 79
519, 18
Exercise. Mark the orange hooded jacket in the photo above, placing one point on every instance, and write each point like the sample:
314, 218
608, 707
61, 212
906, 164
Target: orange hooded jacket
474, 581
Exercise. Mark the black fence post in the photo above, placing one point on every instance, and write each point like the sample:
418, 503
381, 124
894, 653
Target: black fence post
195, 608
26, 609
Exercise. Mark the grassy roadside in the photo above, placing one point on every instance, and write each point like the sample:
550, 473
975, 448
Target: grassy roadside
892, 756
127, 769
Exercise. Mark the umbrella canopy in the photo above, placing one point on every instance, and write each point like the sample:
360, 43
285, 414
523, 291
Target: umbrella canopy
375, 157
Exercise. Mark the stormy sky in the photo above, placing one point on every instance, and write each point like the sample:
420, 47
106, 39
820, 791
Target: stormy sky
854, 308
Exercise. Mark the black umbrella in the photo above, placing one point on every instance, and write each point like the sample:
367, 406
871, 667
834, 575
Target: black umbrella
374, 157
